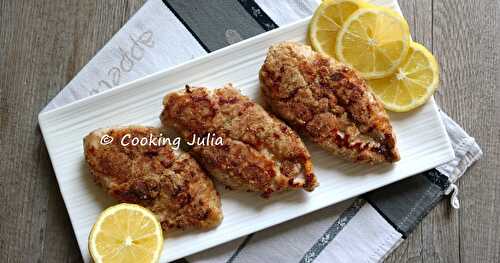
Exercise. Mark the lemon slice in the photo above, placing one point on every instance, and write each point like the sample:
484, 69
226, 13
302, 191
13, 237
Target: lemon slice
126, 233
412, 84
327, 22
374, 41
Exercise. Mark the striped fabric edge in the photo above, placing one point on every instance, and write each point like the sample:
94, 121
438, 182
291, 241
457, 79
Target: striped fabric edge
332, 232
258, 14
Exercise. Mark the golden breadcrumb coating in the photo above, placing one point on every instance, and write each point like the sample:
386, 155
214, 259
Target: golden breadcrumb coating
170, 183
259, 152
327, 101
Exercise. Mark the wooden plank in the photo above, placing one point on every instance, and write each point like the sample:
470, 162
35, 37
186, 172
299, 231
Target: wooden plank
439, 230
24, 199
466, 43
43, 44
463, 41
419, 17
440, 234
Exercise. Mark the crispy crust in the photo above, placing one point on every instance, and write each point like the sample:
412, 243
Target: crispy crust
259, 153
171, 184
327, 101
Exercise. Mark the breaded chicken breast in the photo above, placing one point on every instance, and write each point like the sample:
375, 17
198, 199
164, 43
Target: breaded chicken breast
327, 101
168, 182
259, 152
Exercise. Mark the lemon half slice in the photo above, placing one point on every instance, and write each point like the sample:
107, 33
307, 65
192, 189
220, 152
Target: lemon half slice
126, 233
374, 41
412, 84
327, 22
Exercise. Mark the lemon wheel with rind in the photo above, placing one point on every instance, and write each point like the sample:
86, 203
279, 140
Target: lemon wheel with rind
327, 22
413, 83
374, 40
126, 233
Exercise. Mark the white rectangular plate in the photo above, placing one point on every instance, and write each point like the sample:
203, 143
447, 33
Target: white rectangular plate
422, 142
